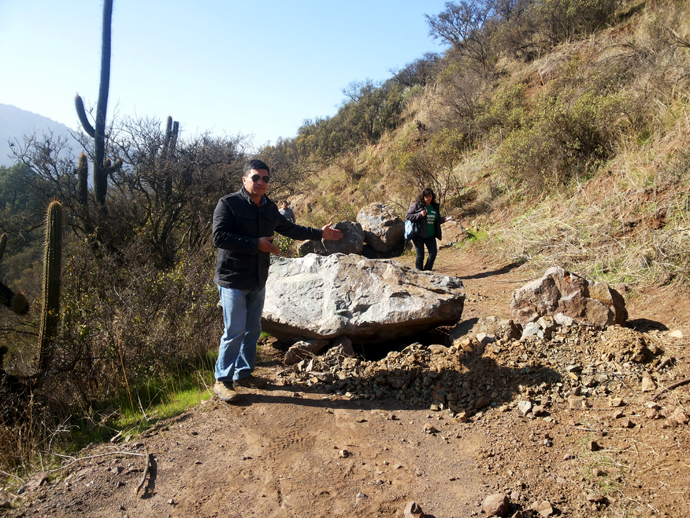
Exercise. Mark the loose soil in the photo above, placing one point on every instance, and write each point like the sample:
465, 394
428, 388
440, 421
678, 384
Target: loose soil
296, 450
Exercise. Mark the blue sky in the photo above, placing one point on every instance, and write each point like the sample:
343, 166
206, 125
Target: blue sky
256, 67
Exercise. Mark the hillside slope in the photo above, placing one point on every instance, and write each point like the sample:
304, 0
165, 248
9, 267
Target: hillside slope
16, 123
577, 157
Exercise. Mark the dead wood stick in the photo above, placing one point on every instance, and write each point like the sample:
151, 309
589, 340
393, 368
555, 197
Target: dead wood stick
663, 364
146, 470
671, 387
94, 457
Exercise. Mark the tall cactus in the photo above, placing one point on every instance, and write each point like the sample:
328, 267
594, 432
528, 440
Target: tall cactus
15, 301
100, 172
50, 316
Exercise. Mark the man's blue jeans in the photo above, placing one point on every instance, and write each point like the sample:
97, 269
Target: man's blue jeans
242, 316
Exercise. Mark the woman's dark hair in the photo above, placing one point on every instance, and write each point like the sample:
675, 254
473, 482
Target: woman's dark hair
426, 192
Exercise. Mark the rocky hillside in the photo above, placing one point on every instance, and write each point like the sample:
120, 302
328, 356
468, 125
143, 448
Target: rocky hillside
574, 155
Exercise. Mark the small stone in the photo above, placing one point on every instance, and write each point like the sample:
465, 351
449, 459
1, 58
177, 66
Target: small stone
485, 338
462, 416
615, 402
593, 446
648, 384
482, 402
596, 499
434, 408
652, 414
617, 414
429, 429
563, 320
496, 505
680, 416
361, 495
524, 407
627, 423
676, 334
538, 410
171, 502
576, 403
568, 456
412, 510
543, 508
530, 329
343, 454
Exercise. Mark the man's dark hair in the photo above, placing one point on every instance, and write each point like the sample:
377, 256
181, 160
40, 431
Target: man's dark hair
255, 164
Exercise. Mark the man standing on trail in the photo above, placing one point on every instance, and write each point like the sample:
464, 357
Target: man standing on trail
244, 224
287, 212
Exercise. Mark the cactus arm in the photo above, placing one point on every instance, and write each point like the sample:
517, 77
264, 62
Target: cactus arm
81, 113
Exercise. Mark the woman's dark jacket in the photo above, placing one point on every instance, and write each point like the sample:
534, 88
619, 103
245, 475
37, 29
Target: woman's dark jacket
414, 214
238, 223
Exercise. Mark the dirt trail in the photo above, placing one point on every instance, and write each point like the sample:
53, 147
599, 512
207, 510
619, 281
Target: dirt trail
288, 452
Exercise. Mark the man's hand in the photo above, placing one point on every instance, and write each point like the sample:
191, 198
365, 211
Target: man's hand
330, 233
424, 212
266, 245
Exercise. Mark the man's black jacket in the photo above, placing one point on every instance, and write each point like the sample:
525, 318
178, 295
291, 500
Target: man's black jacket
238, 223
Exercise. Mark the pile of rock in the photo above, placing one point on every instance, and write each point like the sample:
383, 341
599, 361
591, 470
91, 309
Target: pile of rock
577, 365
567, 296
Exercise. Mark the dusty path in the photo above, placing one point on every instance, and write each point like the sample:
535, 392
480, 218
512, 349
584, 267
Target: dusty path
288, 452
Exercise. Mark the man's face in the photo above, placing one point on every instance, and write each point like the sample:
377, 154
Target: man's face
255, 188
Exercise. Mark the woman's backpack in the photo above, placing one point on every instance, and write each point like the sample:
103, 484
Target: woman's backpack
411, 229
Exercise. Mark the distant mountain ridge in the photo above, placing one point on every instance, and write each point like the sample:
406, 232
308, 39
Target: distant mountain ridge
15, 123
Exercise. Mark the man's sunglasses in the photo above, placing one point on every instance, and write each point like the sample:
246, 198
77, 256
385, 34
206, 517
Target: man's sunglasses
255, 178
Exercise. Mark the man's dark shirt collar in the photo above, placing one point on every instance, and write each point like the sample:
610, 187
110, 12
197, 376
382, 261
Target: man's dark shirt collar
245, 194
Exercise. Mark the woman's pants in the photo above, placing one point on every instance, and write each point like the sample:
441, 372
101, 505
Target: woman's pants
419, 243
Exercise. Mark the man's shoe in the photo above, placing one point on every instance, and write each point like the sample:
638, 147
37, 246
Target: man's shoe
225, 391
252, 382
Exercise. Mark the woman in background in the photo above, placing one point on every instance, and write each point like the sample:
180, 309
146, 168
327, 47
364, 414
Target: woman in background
425, 213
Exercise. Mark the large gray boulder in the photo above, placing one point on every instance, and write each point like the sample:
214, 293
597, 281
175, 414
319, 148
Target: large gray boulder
352, 241
316, 297
560, 291
382, 227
